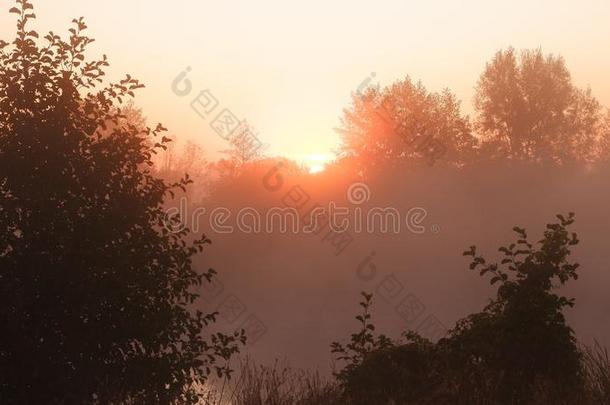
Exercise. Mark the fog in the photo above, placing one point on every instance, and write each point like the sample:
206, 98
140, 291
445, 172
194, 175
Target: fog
306, 295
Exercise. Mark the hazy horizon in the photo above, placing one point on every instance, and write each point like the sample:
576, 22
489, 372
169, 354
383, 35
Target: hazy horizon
289, 68
304, 203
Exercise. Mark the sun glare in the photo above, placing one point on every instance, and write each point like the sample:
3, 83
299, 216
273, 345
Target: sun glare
316, 168
316, 163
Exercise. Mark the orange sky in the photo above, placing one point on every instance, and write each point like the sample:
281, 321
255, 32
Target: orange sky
289, 67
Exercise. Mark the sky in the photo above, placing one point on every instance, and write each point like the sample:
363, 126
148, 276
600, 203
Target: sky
288, 67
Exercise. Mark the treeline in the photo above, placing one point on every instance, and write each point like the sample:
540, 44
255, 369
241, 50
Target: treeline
528, 111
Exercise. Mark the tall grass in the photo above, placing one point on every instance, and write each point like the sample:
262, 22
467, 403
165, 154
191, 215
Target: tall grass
597, 373
280, 384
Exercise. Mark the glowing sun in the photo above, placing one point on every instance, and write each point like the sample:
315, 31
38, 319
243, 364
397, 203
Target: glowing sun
316, 163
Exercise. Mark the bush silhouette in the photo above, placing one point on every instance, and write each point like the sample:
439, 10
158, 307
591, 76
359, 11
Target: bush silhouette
517, 350
95, 293
521, 342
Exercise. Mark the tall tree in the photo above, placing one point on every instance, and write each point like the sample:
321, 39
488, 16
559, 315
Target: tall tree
604, 143
529, 109
95, 294
404, 124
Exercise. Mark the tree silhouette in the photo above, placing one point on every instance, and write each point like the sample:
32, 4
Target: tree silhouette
244, 148
529, 109
405, 125
604, 143
95, 294
520, 342
519, 349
